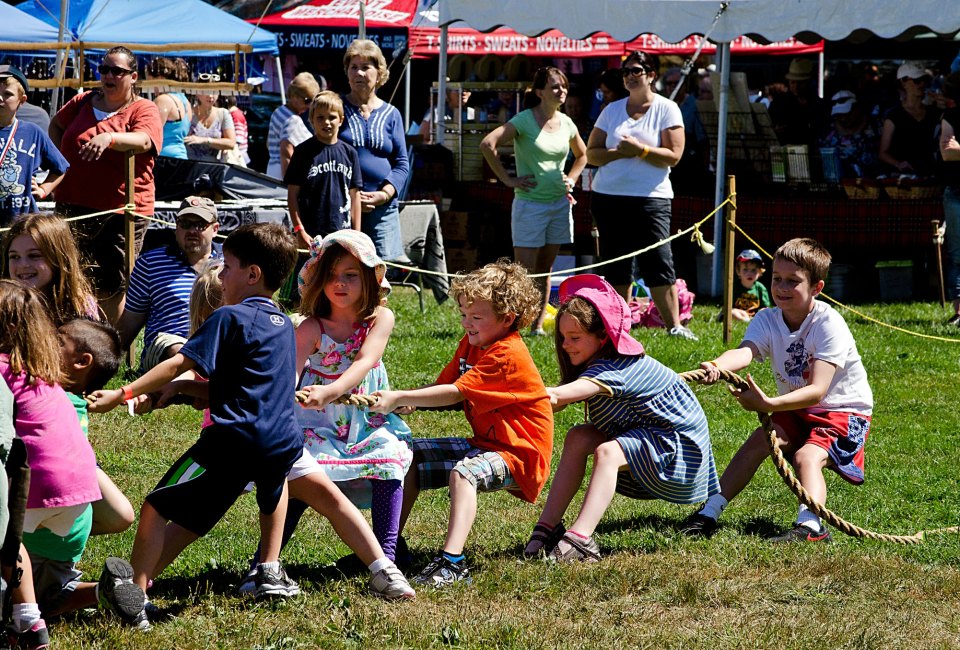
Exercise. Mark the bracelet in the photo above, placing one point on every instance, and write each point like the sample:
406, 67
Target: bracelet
713, 363
297, 228
127, 393
43, 192
112, 140
646, 150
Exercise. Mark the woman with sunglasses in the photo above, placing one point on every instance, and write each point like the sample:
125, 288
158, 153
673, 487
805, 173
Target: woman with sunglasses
212, 133
634, 143
94, 130
908, 142
541, 218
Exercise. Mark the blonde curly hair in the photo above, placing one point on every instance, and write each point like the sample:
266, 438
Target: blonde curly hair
506, 286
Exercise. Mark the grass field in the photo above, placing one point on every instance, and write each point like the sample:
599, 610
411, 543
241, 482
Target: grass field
654, 589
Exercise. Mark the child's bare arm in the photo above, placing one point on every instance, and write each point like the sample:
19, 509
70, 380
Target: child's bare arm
158, 376
193, 388
356, 213
576, 391
731, 360
821, 375
429, 396
293, 206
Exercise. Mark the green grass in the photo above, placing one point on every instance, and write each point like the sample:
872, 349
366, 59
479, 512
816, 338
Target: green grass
654, 589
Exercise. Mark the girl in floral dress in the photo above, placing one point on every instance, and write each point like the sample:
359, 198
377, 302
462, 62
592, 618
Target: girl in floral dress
340, 345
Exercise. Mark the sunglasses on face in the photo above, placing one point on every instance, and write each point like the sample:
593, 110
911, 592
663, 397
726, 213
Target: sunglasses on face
918, 80
208, 76
114, 70
192, 224
633, 71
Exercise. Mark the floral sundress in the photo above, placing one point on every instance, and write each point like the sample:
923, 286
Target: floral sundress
350, 443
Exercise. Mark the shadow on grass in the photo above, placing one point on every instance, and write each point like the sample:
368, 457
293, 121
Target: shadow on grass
760, 527
652, 523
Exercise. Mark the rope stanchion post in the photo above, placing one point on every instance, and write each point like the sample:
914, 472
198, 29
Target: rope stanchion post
729, 231
938, 245
129, 229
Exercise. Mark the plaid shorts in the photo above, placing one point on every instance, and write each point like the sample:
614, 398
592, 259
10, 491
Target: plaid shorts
435, 458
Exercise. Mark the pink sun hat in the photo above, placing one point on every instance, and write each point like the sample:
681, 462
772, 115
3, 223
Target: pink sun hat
611, 306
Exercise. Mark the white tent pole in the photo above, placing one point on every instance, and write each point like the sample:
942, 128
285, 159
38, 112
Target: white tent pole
64, 14
822, 62
283, 91
406, 94
720, 191
441, 88
362, 25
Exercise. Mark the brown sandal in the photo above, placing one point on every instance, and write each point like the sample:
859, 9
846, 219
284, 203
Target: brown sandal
543, 540
573, 548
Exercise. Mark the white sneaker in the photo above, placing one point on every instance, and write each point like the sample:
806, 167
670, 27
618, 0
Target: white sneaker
683, 332
274, 582
249, 583
389, 583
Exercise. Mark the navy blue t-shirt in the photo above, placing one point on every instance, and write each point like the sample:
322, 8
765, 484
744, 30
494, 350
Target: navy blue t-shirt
325, 174
248, 352
30, 150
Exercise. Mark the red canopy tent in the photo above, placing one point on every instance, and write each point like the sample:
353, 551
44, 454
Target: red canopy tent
332, 24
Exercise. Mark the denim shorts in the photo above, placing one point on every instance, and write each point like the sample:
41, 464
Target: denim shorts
535, 224
435, 458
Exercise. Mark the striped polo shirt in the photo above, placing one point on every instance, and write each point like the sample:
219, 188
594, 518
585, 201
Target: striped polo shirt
160, 287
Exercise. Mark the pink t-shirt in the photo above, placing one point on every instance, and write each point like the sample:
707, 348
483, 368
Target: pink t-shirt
63, 469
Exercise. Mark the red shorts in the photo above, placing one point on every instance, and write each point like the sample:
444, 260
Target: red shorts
841, 433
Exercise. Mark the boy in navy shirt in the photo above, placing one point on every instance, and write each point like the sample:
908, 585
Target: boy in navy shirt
247, 350
24, 148
323, 178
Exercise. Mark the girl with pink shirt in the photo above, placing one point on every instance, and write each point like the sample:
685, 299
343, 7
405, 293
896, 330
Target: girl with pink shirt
63, 470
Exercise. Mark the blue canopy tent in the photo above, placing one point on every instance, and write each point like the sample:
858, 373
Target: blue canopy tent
187, 27
135, 22
19, 27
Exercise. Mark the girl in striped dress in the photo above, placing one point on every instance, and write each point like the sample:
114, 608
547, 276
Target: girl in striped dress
644, 425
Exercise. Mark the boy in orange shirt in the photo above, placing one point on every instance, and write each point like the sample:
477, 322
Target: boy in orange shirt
506, 404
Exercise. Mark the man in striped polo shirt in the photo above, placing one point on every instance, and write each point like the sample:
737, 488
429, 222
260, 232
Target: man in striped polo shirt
159, 293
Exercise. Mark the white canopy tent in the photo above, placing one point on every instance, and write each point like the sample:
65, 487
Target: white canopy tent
673, 20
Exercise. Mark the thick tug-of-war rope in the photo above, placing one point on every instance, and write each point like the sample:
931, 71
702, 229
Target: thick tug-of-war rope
786, 472
363, 401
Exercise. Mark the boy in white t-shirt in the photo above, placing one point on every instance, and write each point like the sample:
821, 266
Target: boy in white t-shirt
822, 413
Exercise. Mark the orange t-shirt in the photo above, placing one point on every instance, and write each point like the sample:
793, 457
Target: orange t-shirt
507, 407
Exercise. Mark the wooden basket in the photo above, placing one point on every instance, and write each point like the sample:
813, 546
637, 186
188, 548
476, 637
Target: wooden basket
861, 189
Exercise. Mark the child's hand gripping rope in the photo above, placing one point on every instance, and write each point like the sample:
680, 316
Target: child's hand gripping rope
314, 397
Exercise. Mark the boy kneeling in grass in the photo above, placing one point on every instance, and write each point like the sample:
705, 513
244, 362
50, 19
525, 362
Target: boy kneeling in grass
247, 351
506, 404
822, 413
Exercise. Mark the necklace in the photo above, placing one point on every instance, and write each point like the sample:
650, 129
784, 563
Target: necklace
6, 147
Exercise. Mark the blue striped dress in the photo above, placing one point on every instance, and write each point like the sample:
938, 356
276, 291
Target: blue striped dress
660, 426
